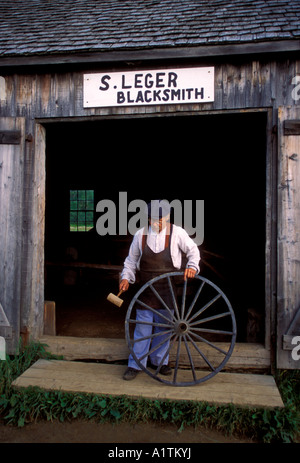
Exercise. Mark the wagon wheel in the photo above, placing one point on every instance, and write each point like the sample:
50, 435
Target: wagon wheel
200, 329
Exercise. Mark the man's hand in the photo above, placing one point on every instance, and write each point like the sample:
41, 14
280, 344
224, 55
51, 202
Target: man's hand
124, 285
189, 273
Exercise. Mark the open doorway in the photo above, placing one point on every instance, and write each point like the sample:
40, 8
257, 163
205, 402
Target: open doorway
219, 158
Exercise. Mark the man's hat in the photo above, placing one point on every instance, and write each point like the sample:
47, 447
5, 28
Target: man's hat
158, 208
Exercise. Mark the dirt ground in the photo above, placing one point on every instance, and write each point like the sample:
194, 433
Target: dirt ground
91, 432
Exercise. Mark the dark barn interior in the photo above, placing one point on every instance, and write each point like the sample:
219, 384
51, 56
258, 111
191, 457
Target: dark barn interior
219, 158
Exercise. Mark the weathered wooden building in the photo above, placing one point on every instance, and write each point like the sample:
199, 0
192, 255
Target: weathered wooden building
236, 145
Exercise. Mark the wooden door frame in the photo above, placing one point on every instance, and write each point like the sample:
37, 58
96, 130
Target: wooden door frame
271, 189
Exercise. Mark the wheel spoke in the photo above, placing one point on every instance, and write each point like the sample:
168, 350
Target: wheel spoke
208, 342
173, 297
195, 299
141, 322
151, 336
166, 354
209, 319
162, 302
210, 330
183, 298
206, 306
177, 360
166, 339
201, 353
190, 357
153, 310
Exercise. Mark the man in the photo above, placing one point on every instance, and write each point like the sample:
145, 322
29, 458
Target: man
153, 252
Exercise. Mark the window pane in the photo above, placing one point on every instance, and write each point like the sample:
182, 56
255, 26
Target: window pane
73, 221
81, 217
81, 194
90, 205
81, 205
73, 205
73, 194
73, 217
90, 195
89, 216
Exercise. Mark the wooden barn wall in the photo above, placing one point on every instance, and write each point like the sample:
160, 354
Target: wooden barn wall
50, 93
255, 84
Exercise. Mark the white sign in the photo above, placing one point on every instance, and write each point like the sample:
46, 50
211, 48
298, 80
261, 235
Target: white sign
153, 87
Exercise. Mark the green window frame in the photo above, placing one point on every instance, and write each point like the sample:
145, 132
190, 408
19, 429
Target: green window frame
81, 210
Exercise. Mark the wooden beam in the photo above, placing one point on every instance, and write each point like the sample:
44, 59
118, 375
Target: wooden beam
291, 127
116, 268
6, 332
49, 318
245, 356
10, 137
287, 342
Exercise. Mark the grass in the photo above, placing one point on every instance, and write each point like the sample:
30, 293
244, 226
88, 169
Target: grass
21, 406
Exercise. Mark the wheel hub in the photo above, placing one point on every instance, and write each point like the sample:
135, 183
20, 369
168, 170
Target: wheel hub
181, 327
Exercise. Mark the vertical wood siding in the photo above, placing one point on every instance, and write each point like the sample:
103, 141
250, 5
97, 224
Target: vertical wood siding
11, 186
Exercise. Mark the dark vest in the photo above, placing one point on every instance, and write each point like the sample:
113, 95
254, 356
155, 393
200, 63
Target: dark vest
152, 265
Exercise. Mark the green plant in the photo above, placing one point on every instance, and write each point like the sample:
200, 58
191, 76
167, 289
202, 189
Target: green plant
15, 365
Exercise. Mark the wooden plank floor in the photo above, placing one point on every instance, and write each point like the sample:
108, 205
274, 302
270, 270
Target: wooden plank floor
224, 388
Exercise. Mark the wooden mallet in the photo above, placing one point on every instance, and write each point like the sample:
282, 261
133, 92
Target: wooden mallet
115, 299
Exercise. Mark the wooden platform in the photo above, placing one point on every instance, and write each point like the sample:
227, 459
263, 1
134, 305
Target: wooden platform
224, 388
245, 356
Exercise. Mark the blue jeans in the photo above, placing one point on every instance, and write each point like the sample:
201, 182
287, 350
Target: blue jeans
141, 348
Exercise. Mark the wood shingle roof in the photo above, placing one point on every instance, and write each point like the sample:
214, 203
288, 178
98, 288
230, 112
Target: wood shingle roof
47, 27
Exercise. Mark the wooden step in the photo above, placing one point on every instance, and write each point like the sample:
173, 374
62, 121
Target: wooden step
224, 388
245, 356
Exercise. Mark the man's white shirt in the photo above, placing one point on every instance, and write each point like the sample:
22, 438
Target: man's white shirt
180, 242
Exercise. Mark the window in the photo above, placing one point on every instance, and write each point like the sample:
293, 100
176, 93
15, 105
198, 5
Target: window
81, 210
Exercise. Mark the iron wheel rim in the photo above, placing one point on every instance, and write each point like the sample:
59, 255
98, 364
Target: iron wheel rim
185, 330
